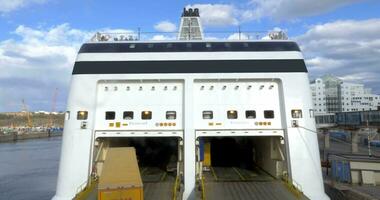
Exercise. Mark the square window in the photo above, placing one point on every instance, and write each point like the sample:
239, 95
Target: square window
232, 114
268, 114
250, 114
146, 115
132, 46
110, 115
296, 113
128, 115
82, 115
171, 114
207, 114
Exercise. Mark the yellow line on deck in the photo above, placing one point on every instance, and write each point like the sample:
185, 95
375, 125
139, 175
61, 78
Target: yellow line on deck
203, 188
213, 173
143, 170
175, 188
163, 176
240, 175
292, 188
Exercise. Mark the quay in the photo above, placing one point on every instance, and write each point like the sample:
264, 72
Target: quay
15, 136
25, 125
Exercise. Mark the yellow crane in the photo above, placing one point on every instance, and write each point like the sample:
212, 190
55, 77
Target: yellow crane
53, 105
27, 113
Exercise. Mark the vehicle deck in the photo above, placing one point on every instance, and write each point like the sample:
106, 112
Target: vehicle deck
158, 184
234, 183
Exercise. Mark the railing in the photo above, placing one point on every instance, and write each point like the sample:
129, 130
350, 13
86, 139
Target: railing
212, 35
81, 189
325, 120
293, 186
176, 187
84, 190
349, 119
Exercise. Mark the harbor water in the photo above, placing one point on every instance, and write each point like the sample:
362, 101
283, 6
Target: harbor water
29, 169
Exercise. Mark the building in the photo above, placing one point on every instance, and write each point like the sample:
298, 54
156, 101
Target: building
330, 95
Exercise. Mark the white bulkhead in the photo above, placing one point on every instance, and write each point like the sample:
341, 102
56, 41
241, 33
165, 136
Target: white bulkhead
140, 96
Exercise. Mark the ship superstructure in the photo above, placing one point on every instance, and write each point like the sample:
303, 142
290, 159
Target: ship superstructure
198, 109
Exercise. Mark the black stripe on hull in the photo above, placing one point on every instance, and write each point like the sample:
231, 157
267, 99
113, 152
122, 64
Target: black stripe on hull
188, 47
189, 66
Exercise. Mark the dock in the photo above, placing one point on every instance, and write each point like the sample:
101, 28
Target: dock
16, 136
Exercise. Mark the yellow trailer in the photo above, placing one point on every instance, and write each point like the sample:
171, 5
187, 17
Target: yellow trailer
120, 178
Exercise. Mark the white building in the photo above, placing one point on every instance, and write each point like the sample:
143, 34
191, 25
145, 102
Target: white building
331, 94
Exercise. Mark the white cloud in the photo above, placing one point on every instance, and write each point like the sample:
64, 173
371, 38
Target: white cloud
217, 14
211, 38
165, 26
281, 10
285, 10
237, 36
349, 49
163, 37
324, 64
7, 6
36, 61
366, 77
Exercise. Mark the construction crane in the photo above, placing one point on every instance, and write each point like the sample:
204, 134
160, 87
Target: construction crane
27, 113
53, 107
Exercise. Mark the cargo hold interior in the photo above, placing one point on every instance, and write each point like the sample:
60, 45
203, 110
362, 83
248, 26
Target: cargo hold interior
249, 163
159, 161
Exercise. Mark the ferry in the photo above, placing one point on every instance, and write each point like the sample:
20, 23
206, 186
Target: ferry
209, 119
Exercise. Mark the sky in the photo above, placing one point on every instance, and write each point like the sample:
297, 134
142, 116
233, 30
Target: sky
39, 39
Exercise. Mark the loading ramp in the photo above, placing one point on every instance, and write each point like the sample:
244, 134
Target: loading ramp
158, 184
231, 183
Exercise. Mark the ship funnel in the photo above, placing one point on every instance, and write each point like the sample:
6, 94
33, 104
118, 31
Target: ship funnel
190, 26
